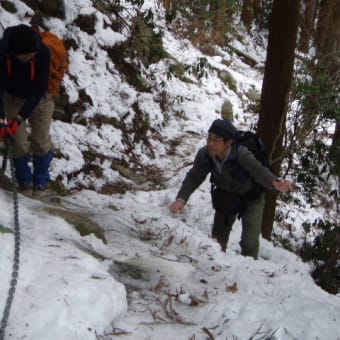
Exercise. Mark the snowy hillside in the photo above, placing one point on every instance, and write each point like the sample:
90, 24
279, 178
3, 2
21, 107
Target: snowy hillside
146, 274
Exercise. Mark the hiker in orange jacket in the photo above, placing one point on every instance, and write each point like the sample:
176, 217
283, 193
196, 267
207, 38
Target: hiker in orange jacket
25, 100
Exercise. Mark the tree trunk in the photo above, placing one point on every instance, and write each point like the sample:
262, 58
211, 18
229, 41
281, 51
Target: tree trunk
322, 40
257, 8
275, 89
328, 56
335, 149
167, 4
307, 25
247, 14
220, 12
327, 38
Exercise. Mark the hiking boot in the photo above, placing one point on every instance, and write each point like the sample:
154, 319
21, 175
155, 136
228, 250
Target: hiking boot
25, 188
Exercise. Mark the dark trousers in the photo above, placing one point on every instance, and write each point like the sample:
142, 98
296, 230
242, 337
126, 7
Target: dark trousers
251, 220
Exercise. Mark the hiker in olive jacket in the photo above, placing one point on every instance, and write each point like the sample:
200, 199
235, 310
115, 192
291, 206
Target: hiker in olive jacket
233, 169
24, 98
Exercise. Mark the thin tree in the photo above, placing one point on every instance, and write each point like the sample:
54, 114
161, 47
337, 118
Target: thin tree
247, 13
167, 4
327, 41
275, 89
219, 9
307, 24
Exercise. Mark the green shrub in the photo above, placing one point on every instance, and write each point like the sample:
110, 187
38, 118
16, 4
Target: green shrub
324, 254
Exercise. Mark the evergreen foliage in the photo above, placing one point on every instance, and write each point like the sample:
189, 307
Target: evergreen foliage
314, 110
324, 254
263, 17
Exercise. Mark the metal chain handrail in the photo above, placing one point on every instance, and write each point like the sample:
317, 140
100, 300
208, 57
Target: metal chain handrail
15, 269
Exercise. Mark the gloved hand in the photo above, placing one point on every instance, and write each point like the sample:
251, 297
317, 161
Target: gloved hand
12, 126
3, 127
9, 129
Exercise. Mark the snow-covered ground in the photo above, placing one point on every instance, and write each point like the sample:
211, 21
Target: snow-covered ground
158, 277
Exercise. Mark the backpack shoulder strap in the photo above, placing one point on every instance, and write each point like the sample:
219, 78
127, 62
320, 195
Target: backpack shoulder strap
9, 66
236, 149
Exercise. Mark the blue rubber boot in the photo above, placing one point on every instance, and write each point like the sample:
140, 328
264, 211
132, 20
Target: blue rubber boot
41, 174
23, 172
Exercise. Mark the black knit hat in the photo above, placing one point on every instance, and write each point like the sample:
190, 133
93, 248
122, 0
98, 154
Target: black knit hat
22, 39
224, 128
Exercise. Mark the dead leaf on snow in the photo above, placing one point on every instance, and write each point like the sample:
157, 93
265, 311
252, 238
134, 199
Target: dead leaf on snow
233, 288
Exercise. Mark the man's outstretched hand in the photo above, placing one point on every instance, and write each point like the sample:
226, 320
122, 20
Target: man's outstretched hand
177, 207
283, 185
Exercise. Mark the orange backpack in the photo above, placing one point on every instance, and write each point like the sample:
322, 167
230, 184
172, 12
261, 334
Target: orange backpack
59, 60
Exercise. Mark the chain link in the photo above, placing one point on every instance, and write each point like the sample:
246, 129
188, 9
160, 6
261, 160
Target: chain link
15, 270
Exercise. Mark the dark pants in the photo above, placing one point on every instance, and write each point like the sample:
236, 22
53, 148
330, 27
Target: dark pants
251, 220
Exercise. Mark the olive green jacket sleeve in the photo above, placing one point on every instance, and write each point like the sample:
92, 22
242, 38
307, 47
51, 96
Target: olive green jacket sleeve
259, 173
196, 175
227, 180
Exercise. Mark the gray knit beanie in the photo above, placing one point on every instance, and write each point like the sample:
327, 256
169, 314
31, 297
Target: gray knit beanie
223, 128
